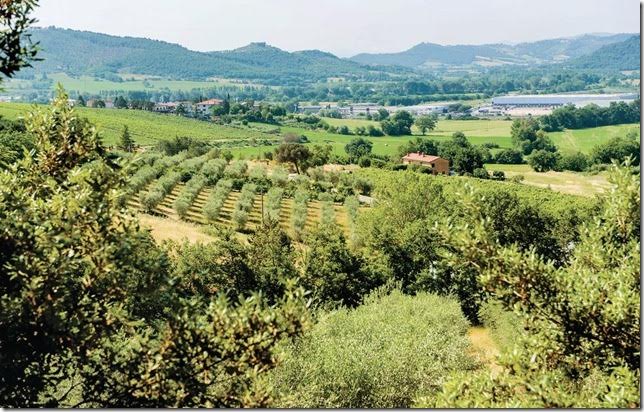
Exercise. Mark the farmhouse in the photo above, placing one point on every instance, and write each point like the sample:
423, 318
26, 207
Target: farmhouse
437, 164
205, 106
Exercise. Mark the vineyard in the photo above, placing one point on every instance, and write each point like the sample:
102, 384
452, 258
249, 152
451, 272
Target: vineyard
208, 190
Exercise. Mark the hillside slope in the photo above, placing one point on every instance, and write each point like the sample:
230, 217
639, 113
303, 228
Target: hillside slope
427, 55
86, 53
624, 55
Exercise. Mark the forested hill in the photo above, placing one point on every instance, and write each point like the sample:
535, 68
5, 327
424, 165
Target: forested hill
430, 55
624, 55
81, 52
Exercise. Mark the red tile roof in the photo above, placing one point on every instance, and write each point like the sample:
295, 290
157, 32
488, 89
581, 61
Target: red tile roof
420, 157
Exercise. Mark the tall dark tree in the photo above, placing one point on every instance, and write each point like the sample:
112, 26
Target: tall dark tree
126, 142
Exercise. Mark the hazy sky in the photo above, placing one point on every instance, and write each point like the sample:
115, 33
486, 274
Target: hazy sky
343, 27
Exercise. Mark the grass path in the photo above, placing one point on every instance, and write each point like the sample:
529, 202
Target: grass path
484, 348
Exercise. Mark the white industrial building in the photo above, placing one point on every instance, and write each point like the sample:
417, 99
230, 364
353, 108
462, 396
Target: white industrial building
555, 100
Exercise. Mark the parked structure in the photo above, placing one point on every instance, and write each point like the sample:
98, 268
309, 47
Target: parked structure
437, 164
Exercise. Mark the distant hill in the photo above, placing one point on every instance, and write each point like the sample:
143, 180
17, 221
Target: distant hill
86, 53
430, 55
624, 55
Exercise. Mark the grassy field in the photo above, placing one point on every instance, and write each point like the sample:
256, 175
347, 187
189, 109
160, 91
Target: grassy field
91, 85
565, 182
147, 127
583, 140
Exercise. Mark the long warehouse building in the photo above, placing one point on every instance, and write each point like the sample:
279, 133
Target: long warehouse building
553, 100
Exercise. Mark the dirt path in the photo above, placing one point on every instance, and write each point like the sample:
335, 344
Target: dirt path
484, 348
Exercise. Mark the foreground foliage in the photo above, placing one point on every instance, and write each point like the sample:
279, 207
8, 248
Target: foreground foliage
582, 348
380, 355
87, 308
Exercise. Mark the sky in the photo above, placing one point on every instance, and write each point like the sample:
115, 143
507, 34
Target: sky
342, 27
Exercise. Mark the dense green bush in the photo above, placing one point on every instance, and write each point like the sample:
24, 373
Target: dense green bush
213, 170
582, 346
576, 162
617, 149
89, 312
298, 214
236, 169
509, 156
335, 274
383, 354
543, 160
351, 205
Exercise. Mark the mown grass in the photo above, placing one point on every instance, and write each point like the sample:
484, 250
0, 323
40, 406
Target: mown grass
565, 182
583, 140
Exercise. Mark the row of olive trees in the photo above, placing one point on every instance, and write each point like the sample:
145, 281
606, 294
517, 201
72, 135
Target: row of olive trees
211, 171
273, 203
327, 212
188, 194
216, 200
298, 215
244, 205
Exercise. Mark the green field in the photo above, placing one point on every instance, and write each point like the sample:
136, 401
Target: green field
91, 85
147, 128
564, 182
583, 140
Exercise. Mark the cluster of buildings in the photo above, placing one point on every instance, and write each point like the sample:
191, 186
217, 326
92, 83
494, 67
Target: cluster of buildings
353, 110
202, 108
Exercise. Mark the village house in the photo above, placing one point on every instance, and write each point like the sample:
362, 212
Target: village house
437, 164
204, 107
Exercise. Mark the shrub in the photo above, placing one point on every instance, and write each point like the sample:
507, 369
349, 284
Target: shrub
236, 170
618, 149
279, 177
498, 175
213, 170
364, 161
576, 162
382, 354
543, 161
509, 157
351, 205
481, 173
